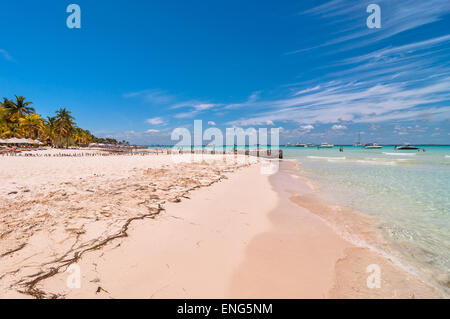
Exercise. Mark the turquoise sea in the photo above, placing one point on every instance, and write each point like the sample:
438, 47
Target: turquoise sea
407, 191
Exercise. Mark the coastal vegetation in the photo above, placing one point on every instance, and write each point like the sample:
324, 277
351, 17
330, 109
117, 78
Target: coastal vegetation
19, 119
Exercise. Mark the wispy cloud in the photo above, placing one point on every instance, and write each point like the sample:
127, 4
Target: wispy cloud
194, 108
253, 122
397, 17
155, 121
6, 55
359, 103
396, 83
160, 97
407, 49
152, 131
154, 96
307, 90
204, 106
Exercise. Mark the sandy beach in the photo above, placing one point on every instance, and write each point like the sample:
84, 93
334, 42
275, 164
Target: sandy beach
147, 227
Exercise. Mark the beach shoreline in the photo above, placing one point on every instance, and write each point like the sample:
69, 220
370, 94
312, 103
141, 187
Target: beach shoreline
359, 253
242, 234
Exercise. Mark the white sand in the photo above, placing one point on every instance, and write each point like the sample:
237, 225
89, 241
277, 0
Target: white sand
54, 209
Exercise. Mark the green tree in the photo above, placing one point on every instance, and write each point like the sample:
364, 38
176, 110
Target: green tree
64, 124
17, 109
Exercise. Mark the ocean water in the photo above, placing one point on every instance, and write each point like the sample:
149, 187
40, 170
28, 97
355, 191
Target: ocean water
407, 191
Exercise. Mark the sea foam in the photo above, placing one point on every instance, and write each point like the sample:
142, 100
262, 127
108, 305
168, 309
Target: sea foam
400, 154
327, 157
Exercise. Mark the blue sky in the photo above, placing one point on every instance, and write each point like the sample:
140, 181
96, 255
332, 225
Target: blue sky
137, 69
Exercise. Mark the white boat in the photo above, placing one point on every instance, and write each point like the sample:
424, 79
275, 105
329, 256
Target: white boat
301, 145
406, 146
326, 145
372, 146
358, 144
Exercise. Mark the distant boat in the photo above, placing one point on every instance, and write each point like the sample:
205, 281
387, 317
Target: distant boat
406, 146
359, 141
301, 145
372, 146
326, 145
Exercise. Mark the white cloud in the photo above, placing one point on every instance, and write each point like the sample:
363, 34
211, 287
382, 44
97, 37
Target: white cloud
155, 121
338, 127
307, 90
201, 107
212, 123
307, 127
185, 115
270, 123
152, 131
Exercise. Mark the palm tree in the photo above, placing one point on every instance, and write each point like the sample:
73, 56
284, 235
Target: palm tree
18, 119
64, 123
31, 125
3, 123
84, 136
17, 109
49, 133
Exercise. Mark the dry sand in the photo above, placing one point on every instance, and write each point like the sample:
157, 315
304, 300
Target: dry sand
53, 210
146, 227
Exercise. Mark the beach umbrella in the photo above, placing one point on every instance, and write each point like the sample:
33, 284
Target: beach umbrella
24, 141
2, 141
32, 141
15, 140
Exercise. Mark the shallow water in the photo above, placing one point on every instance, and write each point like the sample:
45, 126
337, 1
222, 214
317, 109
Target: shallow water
408, 191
